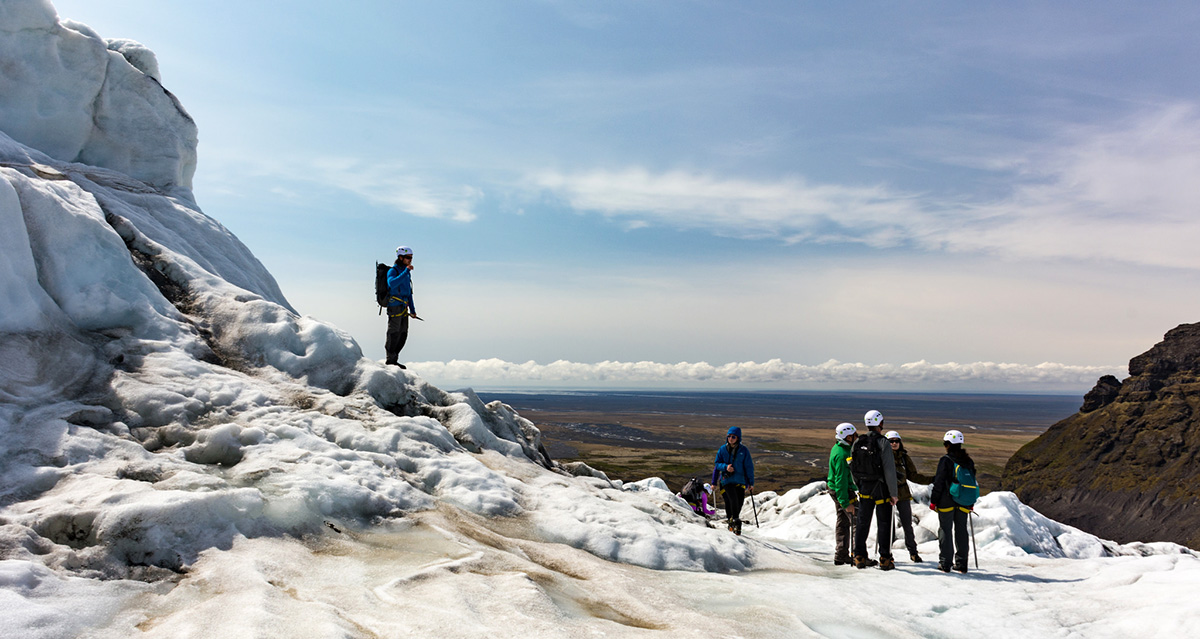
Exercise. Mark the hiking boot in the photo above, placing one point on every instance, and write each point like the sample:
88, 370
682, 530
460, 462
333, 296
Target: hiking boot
887, 563
842, 561
944, 567
960, 568
916, 559
737, 527
864, 562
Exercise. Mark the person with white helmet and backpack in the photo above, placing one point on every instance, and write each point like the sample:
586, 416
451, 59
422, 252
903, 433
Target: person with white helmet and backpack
841, 488
906, 471
400, 304
953, 497
874, 471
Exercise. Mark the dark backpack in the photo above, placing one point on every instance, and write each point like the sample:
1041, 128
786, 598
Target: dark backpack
866, 464
381, 285
693, 489
964, 488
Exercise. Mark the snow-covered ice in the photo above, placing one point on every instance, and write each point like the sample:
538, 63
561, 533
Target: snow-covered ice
183, 455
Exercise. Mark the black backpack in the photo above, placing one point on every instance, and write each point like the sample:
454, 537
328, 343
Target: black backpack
866, 464
381, 285
693, 489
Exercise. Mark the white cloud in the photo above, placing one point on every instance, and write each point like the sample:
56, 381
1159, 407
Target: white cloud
386, 184
394, 186
1127, 192
741, 208
769, 372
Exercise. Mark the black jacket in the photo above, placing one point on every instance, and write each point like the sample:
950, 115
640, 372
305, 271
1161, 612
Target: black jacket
879, 486
940, 495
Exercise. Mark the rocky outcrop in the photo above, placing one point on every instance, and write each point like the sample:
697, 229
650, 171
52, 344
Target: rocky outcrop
1127, 466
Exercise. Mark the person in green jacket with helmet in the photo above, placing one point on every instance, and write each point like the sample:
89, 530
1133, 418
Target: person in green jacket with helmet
841, 488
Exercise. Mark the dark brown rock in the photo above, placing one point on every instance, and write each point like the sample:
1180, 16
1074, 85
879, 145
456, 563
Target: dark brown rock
1127, 466
1102, 395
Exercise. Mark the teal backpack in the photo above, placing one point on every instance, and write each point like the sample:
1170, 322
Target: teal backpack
964, 488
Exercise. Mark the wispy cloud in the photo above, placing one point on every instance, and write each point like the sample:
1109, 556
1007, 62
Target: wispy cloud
397, 186
1126, 192
394, 186
769, 372
790, 209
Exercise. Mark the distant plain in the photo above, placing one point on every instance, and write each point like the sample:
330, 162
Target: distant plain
674, 434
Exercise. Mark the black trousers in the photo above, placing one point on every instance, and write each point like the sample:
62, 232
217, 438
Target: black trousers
904, 512
735, 495
952, 542
883, 527
397, 335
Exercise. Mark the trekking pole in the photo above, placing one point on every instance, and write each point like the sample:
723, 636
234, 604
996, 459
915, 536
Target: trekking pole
853, 527
754, 508
973, 545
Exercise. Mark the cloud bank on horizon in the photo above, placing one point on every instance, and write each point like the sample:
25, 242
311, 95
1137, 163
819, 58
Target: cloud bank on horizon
1047, 375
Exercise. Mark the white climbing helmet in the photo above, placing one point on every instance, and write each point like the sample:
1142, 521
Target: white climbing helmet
402, 251
845, 430
953, 436
873, 418
891, 434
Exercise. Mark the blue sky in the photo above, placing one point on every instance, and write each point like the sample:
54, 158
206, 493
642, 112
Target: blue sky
875, 183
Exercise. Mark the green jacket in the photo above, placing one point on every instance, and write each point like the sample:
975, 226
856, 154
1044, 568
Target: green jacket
906, 471
839, 481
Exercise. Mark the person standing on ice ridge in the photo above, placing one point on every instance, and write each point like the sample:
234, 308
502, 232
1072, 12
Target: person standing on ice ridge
400, 304
906, 471
874, 471
952, 515
736, 471
841, 488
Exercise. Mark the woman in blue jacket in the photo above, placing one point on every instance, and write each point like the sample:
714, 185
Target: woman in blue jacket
736, 471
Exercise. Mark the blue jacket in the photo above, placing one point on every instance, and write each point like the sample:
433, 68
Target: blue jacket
400, 293
743, 466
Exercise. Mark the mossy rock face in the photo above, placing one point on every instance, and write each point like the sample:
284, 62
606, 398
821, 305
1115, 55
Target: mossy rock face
1127, 466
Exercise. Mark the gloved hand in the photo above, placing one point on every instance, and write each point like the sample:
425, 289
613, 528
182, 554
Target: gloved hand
932, 506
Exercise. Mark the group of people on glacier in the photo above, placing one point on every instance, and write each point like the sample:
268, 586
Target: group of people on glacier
868, 477
868, 473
